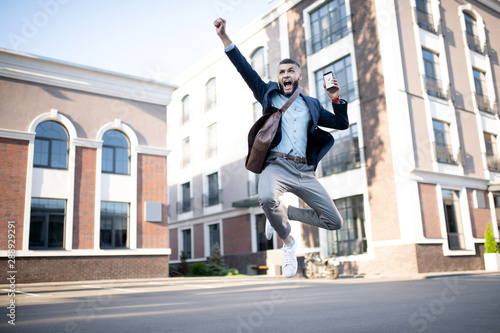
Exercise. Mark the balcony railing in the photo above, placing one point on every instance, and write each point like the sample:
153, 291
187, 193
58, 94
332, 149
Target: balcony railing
212, 199
493, 162
426, 22
436, 88
484, 104
476, 45
328, 36
336, 163
184, 206
445, 154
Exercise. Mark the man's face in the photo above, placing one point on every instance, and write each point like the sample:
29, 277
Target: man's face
289, 76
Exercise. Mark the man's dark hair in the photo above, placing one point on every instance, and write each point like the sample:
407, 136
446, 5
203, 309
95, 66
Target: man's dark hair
289, 61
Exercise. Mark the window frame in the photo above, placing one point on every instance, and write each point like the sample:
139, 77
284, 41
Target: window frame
355, 235
342, 69
321, 36
51, 141
114, 228
348, 159
210, 238
211, 148
183, 245
459, 224
115, 149
46, 224
213, 193
211, 94
186, 110
261, 242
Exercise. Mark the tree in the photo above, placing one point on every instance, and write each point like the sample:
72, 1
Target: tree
490, 246
215, 262
183, 266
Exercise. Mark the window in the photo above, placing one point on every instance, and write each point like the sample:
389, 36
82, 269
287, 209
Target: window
490, 142
433, 84
444, 151
186, 153
351, 238
115, 153
185, 110
114, 224
471, 34
496, 200
328, 25
211, 141
342, 70
345, 153
257, 111
47, 223
51, 146
212, 197
258, 62
211, 95
185, 203
263, 244
253, 185
424, 17
482, 100
186, 242
453, 217
214, 236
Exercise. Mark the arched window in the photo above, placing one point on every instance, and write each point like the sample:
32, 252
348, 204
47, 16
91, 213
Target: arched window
258, 62
472, 35
470, 24
211, 95
115, 152
185, 110
51, 146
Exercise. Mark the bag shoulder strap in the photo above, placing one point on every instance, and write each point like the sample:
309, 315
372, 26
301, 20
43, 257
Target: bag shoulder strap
291, 99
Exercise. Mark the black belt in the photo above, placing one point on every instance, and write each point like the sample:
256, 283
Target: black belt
290, 157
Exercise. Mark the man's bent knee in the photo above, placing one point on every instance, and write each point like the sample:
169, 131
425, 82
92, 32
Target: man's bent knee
333, 223
268, 202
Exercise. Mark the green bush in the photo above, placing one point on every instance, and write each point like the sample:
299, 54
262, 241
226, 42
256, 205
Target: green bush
199, 269
229, 272
490, 246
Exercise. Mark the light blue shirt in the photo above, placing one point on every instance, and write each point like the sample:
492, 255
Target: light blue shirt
294, 124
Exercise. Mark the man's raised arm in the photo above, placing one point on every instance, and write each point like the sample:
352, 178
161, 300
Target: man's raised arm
220, 28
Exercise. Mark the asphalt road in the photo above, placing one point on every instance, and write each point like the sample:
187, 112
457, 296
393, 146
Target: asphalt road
463, 303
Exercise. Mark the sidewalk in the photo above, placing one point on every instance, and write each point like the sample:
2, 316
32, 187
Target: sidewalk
342, 278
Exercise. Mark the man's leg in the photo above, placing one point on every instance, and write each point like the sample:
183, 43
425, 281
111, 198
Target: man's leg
274, 181
323, 212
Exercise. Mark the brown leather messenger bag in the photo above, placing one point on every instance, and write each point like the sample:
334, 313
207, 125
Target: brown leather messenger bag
262, 133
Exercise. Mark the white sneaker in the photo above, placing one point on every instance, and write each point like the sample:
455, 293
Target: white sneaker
290, 259
269, 230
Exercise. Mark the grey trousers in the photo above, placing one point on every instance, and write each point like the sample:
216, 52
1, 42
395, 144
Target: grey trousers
281, 175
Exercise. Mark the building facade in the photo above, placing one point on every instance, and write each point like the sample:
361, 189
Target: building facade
416, 175
83, 164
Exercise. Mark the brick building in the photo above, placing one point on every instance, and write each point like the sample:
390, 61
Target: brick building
415, 176
83, 165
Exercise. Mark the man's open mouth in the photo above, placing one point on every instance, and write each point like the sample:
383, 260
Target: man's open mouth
287, 84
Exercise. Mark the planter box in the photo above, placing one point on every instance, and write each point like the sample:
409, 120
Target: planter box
492, 261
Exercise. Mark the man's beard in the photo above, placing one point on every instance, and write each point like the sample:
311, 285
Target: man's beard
282, 90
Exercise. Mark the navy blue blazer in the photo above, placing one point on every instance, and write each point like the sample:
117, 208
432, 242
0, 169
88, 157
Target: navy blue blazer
319, 141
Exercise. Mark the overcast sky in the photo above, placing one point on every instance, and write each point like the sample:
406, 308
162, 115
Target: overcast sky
126, 36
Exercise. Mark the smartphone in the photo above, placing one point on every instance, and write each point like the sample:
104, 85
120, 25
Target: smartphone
328, 77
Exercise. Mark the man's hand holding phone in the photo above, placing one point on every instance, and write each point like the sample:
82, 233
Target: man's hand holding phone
332, 86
